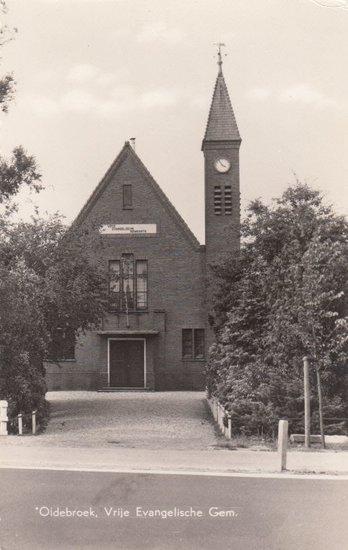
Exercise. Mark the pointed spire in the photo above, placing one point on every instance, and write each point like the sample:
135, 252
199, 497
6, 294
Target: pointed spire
221, 125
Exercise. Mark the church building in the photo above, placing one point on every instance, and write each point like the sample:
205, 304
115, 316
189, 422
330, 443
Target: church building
155, 332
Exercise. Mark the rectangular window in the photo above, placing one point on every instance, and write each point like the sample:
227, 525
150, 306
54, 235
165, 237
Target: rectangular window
187, 341
217, 199
115, 284
141, 272
128, 284
228, 199
62, 345
127, 197
193, 346
127, 273
198, 341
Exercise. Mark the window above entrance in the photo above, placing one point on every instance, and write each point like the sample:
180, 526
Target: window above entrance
128, 284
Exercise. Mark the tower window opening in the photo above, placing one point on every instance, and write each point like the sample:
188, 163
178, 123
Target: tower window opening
217, 199
228, 199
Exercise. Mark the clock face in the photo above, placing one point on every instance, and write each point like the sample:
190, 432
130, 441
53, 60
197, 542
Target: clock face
222, 165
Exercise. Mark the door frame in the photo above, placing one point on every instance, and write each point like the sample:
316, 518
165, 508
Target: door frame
128, 340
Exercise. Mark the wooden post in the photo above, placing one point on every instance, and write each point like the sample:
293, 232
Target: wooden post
222, 413
3, 417
307, 402
20, 424
223, 419
33, 422
283, 427
215, 409
229, 432
219, 416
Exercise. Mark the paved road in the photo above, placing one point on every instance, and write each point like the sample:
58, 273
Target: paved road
265, 514
147, 420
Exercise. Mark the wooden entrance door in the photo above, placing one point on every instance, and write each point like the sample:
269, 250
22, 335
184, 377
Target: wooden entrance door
126, 362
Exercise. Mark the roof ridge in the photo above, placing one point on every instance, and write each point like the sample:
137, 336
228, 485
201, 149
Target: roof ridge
100, 187
159, 192
211, 106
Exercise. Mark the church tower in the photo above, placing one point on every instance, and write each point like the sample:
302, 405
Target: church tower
220, 147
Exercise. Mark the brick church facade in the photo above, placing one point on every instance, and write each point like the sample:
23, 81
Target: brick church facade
155, 334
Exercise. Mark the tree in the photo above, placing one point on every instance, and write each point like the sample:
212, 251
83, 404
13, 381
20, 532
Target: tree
47, 283
7, 83
46, 280
283, 298
21, 169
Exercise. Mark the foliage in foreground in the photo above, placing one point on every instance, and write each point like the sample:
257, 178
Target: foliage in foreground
281, 299
46, 282
46, 278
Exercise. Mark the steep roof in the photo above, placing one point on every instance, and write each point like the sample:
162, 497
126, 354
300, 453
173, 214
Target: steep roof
125, 151
221, 125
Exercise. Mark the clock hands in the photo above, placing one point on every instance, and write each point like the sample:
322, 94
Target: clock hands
222, 165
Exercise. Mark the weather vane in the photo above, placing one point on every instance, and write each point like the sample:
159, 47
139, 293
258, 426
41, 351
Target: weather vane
220, 45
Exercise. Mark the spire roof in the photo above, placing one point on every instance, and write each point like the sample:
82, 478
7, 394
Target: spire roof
221, 125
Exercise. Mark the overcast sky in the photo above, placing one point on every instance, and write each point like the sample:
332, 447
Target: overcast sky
93, 73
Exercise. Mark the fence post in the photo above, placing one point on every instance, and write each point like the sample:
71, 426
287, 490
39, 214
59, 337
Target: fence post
20, 424
215, 409
33, 422
223, 412
219, 416
307, 402
3, 417
283, 426
229, 429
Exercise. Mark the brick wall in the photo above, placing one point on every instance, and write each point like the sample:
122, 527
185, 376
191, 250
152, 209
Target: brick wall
176, 279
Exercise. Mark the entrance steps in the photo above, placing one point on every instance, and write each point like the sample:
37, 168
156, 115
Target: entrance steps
110, 389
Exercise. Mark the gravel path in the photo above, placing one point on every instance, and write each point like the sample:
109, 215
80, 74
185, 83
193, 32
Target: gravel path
153, 420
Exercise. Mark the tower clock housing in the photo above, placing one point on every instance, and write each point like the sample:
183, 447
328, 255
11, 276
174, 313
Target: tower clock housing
220, 147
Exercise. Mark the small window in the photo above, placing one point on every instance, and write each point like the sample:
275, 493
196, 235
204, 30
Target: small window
127, 197
187, 341
62, 345
198, 341
193, 346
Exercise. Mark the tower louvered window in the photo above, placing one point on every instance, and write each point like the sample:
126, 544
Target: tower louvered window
228, 199
217, 199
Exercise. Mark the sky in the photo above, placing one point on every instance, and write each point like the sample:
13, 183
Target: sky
93, 73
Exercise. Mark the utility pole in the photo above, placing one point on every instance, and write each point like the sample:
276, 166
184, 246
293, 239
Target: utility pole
320, 404
320, 396
307, 403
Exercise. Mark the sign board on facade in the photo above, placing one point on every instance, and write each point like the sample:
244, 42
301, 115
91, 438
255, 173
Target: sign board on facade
129, 229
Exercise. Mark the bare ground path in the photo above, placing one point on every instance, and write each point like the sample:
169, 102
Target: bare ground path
158, 420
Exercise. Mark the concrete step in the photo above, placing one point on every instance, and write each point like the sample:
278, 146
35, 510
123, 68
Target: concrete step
110, 389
